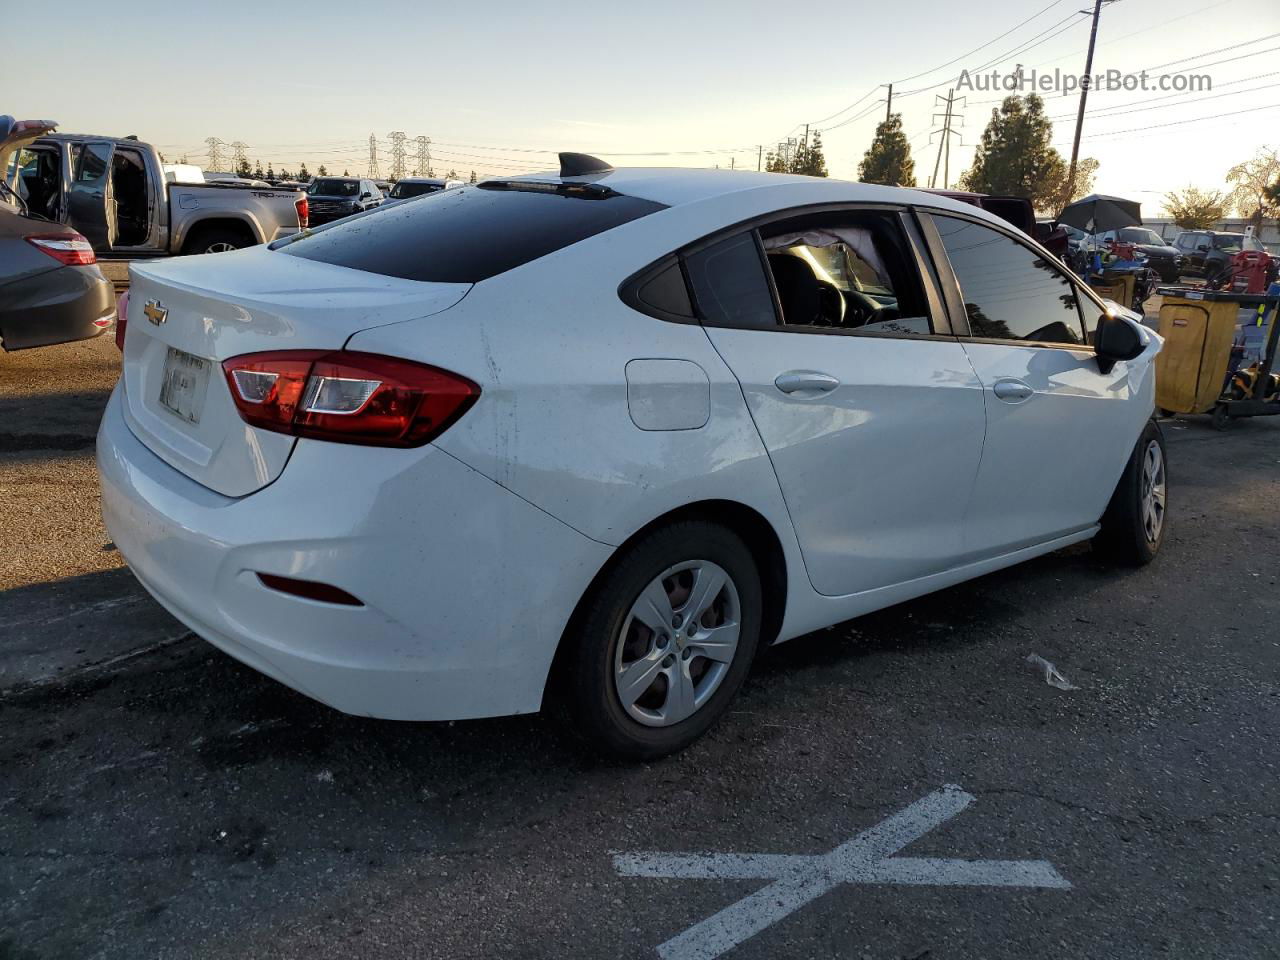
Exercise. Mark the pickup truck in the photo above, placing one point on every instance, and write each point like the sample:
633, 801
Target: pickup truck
115, 192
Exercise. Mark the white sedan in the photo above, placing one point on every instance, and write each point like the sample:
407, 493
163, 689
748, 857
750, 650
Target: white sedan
607, 432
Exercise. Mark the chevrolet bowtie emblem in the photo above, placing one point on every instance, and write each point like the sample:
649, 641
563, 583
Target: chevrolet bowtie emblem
156, 312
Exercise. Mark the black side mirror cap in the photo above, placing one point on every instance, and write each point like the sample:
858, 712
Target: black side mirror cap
1115, 339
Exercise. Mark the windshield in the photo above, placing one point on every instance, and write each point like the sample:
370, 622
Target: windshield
1141, 235
402, 189
334, 188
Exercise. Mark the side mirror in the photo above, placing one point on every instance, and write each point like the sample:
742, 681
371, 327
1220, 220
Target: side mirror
1202, 247
1115, 339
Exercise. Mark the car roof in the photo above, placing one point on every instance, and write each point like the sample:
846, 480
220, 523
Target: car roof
421, 180
675, 186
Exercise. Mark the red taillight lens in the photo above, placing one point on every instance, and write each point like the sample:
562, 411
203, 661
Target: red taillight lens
347, 397
122, 319
304, 212
69, 248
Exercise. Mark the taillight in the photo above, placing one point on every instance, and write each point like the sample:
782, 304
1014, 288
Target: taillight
347, 397
69, 248
304, 212
122, 319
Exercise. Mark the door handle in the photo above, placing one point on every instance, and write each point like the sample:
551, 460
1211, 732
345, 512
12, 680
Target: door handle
1012, 391
800, 381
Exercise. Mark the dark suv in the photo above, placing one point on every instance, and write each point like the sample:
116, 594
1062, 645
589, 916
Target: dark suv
332, 198
1206, 253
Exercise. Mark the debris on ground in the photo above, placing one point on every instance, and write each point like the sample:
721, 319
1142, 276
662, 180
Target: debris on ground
1051, 675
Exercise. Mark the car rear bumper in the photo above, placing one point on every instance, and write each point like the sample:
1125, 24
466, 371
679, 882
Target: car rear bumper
466, 588
58, 306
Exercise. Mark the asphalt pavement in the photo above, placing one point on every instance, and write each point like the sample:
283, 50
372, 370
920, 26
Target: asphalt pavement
904, 785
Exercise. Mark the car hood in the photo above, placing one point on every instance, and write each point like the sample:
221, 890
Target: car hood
1157, 250
16, 134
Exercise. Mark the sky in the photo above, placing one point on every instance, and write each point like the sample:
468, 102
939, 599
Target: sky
500, 87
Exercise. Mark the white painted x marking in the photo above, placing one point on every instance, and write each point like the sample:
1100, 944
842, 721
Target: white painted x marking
798, 880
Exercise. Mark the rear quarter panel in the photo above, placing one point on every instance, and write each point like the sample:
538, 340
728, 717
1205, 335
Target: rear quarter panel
269, 214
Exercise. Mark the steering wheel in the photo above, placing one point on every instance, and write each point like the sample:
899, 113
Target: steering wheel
865, 309
831, 305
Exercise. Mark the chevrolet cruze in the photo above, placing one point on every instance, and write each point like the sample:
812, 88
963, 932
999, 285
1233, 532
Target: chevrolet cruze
608, 432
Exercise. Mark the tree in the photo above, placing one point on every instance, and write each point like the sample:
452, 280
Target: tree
243, 169
257, 171
346, 173
1251, 184
271, 174
473, 177
1195, 209
1015, 157
807, 159
888, 159
303, 175
1086, 170
321, 171
451, 175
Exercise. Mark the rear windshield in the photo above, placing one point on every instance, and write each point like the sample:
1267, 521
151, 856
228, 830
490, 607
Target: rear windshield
471, 233
333, 188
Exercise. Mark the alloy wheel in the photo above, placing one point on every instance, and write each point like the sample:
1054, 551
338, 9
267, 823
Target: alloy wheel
1153, 491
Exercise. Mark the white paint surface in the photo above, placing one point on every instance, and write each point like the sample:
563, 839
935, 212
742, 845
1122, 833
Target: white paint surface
798, 880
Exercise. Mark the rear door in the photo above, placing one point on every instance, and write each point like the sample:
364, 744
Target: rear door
869, 409
91, 208
1058, 430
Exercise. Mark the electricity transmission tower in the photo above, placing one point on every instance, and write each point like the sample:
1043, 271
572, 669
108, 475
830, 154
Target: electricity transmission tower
215, 153
949, 121
424, 156
373, 155
397, 138
238, 157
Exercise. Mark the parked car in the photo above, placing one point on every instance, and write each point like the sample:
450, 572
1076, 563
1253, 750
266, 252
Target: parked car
51, 290
115, 192
1206, 253
1162, 257
331, 198
615, 428
411, 187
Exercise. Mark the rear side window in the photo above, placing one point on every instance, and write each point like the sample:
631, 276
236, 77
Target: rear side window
470, 234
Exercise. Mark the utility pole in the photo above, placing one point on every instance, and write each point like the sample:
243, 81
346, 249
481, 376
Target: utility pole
947, 132
888, 105
1085, 83
373, 155
759, 158
397, 138
424, 156
215, 153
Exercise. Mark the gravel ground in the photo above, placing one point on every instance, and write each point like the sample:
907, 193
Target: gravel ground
172, 803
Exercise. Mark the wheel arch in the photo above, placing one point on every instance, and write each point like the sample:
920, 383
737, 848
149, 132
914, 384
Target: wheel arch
748, 523
245, 225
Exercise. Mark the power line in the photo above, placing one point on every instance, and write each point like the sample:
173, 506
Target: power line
1178, 123
940, 66
1209, 53
1114, 112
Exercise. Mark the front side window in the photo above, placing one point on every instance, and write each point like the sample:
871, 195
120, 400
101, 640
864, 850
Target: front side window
469, 234
1010, 291
93, 162
849, 271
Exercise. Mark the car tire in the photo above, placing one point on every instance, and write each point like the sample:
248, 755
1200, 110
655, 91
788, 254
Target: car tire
1135, 522
216, 240
610, 643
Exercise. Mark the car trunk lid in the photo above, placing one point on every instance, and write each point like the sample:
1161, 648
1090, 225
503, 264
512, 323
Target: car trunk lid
188, 314
16, 134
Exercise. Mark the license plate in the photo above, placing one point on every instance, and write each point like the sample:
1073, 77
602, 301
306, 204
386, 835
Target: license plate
186, 379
